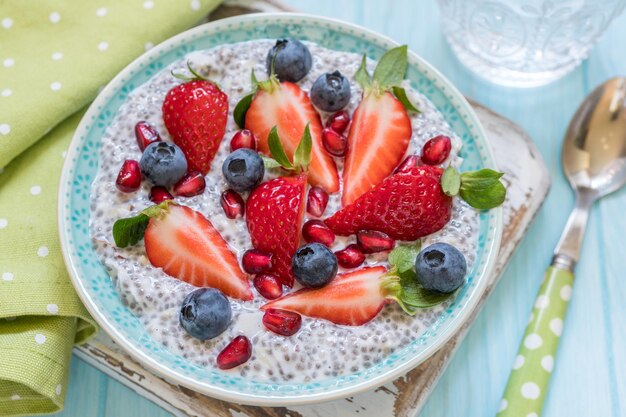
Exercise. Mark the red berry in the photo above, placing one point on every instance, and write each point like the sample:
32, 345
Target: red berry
254, 261
243, 139
436, 150
350, 257
145, 134
129, 177
191, 184
371, 241
317, 231
338, 121
233, 205
317, 201
235, 353
410, 162
334, 143
268, 286
159, 194
282, 322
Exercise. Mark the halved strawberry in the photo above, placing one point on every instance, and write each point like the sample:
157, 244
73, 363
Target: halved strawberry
195, 113
406, 206
274, 214
378, 139
287, 107
351, 299
186, 246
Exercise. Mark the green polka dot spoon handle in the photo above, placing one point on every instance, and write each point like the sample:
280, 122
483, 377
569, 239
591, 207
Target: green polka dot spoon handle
594, 161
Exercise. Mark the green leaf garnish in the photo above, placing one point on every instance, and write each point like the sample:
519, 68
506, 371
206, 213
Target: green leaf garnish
403, 256
239, 114
277, 150
391, 68
486, 198
400, 94
253, 79
302, 156
482, 179
362, 77
451, 181
269, 163
130, 230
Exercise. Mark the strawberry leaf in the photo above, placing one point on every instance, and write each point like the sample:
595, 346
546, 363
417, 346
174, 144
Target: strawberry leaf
130, 230
277, 150
239, 114
400, 94
403, 256
270, 163
482, 189
451, 181
391, 68
302, 156
253, 80
362, 77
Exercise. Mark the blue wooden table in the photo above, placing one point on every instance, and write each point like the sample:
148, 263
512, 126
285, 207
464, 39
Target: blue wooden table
590, 372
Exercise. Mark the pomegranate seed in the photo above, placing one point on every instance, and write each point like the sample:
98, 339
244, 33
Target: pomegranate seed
268, 286
159, 194
243, 139
145, 134
129, 177
282, 322
338, 122
410, 162
317, 231
334, 143
317, 201
371, 241
350, 257
233, 204
238, 351
191, 184
254, 261
436, 150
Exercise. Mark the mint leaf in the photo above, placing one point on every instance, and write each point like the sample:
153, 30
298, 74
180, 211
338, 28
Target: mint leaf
362, 77
400, 94
239, 114
391, 68
269, 163
417, 296
403, 256
302, 156
451, 181
130, 230
277, 150
482, 189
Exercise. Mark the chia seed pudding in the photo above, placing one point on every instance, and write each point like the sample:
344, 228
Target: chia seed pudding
320, 349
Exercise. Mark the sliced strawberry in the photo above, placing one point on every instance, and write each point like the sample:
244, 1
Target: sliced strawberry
186, 246
406, 206
274, 214
289, 108
351, 299
377, 141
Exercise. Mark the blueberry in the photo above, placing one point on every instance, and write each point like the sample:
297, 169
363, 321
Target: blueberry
293, 60
243, 169
441, 267
314, 265
163, 163
331, 92
205, 313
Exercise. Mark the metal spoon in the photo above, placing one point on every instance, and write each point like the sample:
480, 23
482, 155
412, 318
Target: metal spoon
594, 161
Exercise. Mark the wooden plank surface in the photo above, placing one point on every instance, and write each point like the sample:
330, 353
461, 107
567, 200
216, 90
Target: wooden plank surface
588, 379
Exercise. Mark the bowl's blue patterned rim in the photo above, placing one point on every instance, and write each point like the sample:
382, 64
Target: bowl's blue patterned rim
73, 220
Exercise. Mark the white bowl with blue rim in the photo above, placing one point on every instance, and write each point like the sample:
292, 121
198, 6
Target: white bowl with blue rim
97, 290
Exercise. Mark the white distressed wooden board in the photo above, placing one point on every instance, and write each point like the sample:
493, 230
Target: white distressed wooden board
515, 154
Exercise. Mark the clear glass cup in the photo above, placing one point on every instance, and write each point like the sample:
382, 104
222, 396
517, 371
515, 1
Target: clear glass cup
525, 43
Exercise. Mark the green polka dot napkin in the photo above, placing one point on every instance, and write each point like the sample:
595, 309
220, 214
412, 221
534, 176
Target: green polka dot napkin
54, 56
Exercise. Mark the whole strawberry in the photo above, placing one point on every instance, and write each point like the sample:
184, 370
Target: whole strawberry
195, 114
406, 206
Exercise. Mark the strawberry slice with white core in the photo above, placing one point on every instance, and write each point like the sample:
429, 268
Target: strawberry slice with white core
287, 107
186, 246
378, 139
351, 299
